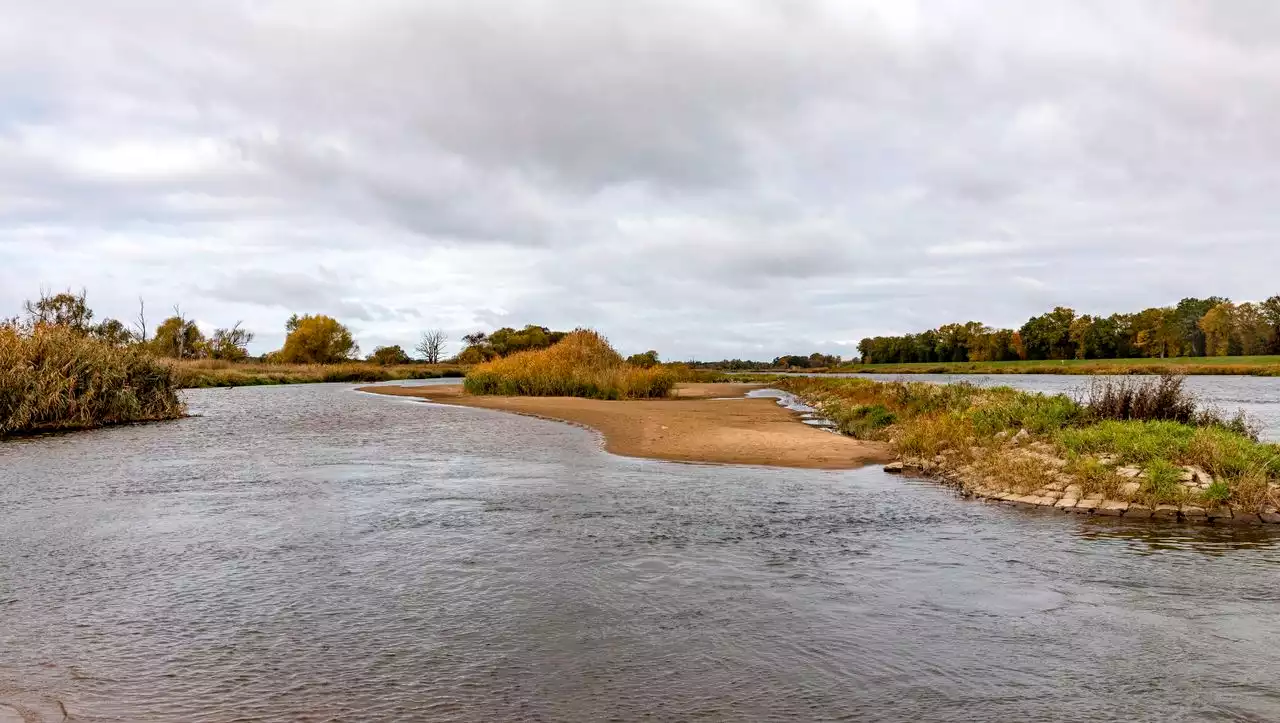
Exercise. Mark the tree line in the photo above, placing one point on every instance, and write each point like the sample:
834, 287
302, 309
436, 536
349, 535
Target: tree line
1214, 326
310, 339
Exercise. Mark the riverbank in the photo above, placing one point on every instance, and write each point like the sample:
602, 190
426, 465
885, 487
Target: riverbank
1257, 366
702, 423
205, 373
1139, 451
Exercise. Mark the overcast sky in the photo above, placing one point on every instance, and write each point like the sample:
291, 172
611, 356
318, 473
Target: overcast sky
709, 178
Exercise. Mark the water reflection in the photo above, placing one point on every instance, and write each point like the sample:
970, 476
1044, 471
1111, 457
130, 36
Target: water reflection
1150, 537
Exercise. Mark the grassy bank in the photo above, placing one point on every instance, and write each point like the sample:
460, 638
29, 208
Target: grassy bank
1142, 445
582, 364
1260, 366
201, 373
53, 378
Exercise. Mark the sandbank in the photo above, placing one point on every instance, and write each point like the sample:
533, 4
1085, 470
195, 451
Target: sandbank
703, 423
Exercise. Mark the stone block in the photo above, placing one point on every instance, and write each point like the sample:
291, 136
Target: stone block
1194, 513
1242, 518
1066, 503
893, 468
1167, 512
1112, 508
1139, 512
1270, 516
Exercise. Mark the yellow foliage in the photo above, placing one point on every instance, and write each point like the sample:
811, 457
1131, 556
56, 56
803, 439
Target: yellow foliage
583, 364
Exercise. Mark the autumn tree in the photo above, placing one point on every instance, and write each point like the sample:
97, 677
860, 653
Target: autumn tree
177, 337
317, 339
1217, 326
66, 309
230, 344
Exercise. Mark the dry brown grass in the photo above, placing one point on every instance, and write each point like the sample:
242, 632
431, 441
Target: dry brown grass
583, 364
54, 378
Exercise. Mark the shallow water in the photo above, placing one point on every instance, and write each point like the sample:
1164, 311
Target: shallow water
314, 553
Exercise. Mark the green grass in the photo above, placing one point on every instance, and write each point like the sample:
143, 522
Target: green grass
975, 427
1232, 365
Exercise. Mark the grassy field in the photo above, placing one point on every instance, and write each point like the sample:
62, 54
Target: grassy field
212, 373
1262, 366
1137, 443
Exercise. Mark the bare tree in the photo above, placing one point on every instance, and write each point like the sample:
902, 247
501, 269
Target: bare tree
140, 323
432, 345
182, 329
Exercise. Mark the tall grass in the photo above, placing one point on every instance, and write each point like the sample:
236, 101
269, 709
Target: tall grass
583, 364
53, 378
1164, 399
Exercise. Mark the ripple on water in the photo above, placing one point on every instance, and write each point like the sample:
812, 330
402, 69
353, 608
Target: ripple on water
310, 553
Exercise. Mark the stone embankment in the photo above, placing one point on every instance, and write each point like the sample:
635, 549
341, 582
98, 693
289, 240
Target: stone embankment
1063, 494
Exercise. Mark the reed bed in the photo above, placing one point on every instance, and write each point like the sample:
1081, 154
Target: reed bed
53, 378
583, 364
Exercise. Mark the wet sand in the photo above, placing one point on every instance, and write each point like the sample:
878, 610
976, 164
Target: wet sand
704, 423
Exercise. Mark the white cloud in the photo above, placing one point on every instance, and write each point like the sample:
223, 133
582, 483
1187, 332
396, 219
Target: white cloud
725, 178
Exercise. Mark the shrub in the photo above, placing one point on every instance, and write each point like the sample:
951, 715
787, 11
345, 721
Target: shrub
53, 377
580, 365
386, 355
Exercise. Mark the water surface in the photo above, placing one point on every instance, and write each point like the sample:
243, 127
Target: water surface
314, 553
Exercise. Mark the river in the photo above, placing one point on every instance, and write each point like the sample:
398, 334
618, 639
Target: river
315, 553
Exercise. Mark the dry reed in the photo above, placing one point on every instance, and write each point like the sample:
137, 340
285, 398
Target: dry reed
54, 378
580, 365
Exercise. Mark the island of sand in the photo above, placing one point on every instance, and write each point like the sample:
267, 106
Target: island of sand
711, 423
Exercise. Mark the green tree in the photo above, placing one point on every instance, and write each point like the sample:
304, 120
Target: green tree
1271, 312
387, 355
1049, 336
645, 360
112, 332
317, 339
1186, 317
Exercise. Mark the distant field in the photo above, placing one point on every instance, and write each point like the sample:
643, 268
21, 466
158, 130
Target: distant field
1265, 366
211, 373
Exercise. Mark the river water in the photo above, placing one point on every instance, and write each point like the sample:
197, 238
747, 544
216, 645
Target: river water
315, 553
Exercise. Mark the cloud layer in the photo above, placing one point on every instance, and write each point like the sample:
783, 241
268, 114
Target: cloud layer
735, 178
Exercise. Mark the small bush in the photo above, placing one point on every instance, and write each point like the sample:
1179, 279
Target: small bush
1160, 399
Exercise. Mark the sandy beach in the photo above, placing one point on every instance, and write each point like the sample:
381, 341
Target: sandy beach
703, 423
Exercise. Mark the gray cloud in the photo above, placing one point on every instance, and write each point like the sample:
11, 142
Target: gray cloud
740, 178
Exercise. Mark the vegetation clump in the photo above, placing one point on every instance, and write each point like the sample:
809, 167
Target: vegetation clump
1143, 442
582, 364
56, 377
